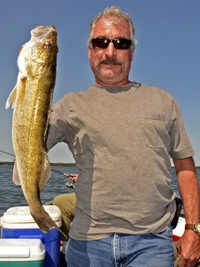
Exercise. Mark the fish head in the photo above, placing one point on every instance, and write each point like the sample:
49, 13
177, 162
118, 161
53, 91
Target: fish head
44, 43
39, 52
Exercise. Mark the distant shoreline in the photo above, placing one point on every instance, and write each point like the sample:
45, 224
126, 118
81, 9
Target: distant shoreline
62, 164
52, 164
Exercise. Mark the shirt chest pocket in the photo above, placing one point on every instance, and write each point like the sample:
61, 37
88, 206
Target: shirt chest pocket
156, 132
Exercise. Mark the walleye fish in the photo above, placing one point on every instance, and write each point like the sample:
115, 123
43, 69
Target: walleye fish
32, 99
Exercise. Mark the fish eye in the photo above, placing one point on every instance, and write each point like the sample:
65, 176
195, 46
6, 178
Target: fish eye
47, 45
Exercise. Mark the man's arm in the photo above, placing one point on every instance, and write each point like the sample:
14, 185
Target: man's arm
189, 244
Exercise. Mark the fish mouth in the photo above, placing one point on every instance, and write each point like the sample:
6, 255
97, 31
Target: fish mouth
39, 32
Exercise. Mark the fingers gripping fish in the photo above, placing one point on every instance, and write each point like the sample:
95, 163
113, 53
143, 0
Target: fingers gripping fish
31, 99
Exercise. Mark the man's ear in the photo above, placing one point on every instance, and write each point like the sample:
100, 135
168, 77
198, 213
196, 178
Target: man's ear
132, 53
89, 52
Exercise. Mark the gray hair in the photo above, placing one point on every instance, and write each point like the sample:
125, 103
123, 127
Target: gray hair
117, 16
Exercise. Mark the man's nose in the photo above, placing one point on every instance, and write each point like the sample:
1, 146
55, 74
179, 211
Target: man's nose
110, 50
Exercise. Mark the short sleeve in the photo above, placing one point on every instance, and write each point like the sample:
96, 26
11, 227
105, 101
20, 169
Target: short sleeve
180, 144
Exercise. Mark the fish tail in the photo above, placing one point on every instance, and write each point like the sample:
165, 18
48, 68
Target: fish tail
44, 221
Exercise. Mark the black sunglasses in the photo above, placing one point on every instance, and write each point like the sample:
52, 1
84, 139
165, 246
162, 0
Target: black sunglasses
119, 43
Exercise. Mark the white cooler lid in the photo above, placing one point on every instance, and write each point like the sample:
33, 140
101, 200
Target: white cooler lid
21, 249
22, 214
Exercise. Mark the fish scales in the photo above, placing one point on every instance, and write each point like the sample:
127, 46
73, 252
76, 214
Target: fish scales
32, 100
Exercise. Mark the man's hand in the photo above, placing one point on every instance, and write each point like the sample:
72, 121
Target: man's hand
73, 177
189, 249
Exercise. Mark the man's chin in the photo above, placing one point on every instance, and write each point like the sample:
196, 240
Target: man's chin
110, 71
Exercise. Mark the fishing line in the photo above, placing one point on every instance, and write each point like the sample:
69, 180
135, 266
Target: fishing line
65, 174
7, 153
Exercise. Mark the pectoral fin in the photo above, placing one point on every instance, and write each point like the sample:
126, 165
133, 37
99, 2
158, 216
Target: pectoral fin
11, 98
16, 179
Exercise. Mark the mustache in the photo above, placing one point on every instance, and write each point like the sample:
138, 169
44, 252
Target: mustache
110, 61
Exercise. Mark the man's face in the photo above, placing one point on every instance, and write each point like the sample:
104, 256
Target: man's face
106, 70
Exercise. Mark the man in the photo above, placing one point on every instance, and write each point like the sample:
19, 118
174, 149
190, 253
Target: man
119, 130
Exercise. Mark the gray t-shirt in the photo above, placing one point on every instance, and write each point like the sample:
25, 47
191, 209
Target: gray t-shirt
122, 139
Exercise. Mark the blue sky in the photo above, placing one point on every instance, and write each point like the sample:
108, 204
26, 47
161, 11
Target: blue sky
167, 54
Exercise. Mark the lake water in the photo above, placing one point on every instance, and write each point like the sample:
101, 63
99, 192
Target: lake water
12, 196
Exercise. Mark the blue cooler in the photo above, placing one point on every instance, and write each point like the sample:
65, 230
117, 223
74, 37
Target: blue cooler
17, 222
